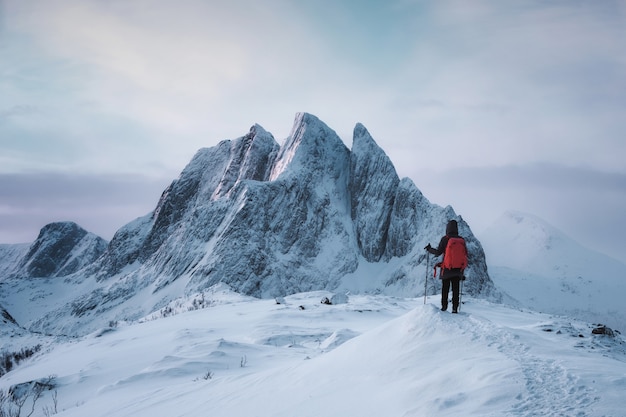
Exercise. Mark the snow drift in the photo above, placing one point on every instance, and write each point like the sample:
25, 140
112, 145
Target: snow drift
370, 356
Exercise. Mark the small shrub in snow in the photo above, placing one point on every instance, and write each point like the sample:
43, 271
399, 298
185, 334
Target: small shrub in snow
50, 411
199, 303
8, 360
206, 376
14, 401
166, 311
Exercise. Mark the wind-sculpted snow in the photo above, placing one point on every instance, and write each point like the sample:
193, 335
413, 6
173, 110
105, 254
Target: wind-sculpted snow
224, 354
270, 220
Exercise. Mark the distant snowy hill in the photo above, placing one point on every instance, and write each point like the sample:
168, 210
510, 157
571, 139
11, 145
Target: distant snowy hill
369, 356
267, 219
545, 270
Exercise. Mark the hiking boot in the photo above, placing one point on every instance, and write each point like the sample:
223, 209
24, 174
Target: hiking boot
444, 308
454, 311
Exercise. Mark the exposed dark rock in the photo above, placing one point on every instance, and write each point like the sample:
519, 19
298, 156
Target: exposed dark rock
61, 249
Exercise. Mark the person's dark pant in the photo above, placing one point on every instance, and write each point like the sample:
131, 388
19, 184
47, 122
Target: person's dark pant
445, 289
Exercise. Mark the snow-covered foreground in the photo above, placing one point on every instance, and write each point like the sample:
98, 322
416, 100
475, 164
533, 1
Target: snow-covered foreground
370, 356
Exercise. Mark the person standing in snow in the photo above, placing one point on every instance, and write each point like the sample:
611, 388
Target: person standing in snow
449, 276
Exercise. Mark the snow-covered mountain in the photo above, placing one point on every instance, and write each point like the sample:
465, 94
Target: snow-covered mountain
545, 270
210, 304
61, 249
266, 219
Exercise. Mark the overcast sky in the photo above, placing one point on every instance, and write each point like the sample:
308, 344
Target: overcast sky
485, 105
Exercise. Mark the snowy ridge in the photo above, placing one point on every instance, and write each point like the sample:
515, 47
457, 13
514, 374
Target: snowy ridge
545, 270
369, 356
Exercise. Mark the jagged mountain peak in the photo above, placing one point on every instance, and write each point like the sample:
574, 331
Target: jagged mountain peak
220, 167
311, 146
212, 174
360, 130
373, 187
366, 153
361, 137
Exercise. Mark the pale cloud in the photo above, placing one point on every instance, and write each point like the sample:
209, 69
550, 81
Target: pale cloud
100, 204
137, 86
188, 74
519, 81
134, 57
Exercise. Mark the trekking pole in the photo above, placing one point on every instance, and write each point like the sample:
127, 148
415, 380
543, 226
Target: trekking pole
461, 292
426, 277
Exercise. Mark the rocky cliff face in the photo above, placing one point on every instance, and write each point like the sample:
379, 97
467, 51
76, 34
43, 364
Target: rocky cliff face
373, 188
268, 220
249, 213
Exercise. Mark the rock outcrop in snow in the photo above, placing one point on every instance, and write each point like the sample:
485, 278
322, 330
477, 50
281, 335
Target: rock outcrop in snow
271, 220
6, 318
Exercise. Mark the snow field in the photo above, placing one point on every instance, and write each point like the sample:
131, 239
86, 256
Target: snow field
371, 356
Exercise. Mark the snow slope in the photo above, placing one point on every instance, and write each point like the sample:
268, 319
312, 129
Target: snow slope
369, 356
10, 257
545, 270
